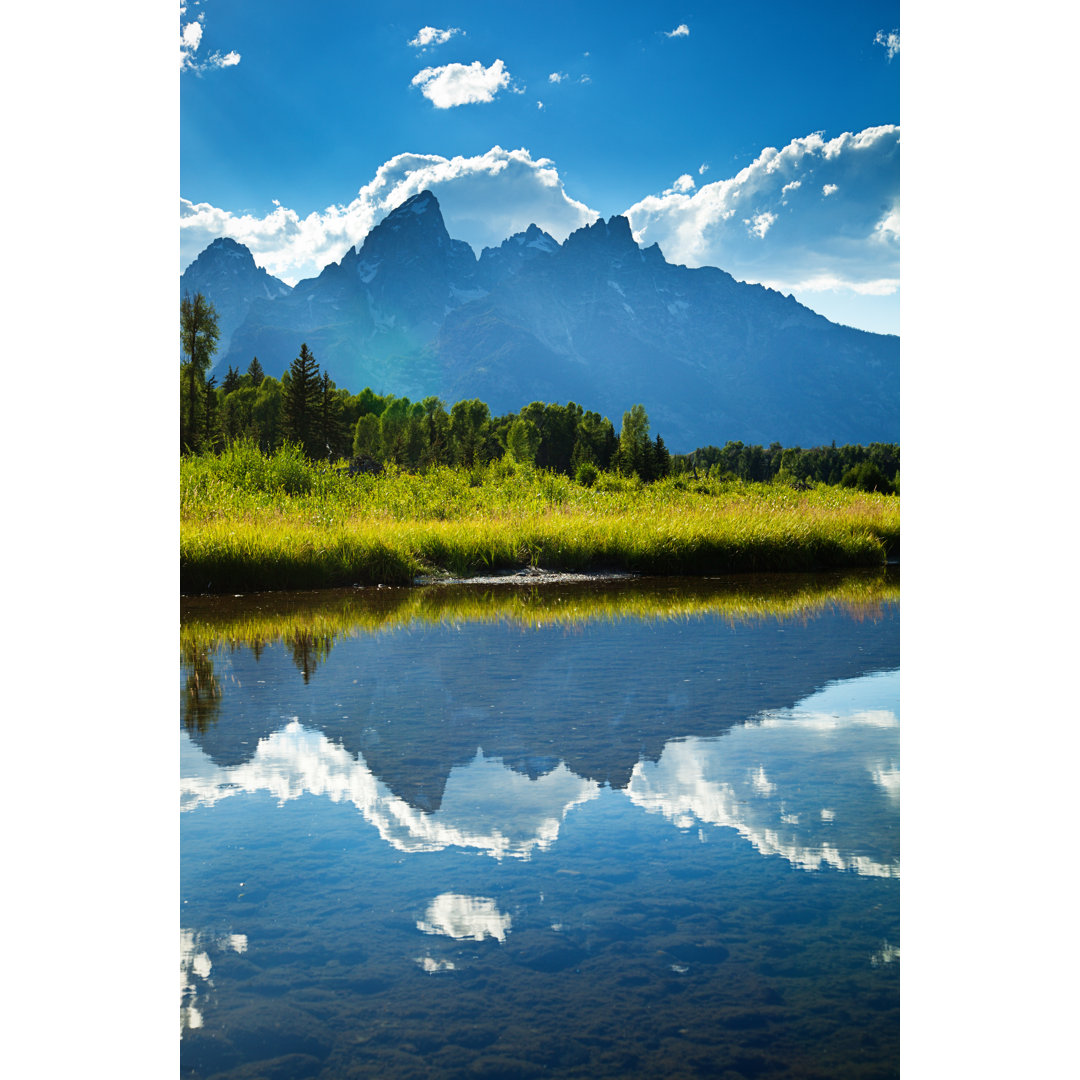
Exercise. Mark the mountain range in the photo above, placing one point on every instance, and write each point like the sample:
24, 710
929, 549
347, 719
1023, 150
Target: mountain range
596, 319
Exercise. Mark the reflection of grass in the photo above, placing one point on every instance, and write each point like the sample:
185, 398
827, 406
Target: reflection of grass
321, 618
241, 531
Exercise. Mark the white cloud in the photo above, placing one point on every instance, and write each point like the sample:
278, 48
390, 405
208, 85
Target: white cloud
887, 230
844, 243
703, 169
829, 189
684, 184
430, 36
890, 41
760, 224
462, 84
191, 35
557, 76
539, 104
484, 199
682, 30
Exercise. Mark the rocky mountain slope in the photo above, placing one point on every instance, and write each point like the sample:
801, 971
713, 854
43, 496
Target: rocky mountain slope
596, 319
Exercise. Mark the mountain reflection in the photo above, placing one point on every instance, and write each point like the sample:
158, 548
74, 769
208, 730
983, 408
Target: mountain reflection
817, 784
485, 806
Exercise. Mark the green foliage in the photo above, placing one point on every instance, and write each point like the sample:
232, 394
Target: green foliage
523, 441
198, 341
300, 406
367, 441
866, 477
252, 520
586, 474
468, 423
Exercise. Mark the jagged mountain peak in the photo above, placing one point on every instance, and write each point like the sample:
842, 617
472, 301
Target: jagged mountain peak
599, 319
418, 218
615, 233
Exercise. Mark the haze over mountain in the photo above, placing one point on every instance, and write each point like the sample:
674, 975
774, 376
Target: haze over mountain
596, 319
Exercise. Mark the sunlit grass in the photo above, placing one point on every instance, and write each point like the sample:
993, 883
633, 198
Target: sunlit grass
249, 521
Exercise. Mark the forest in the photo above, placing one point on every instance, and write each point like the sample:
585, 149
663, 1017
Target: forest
305, 408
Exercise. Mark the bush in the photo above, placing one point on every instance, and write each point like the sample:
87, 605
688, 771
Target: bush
586, 474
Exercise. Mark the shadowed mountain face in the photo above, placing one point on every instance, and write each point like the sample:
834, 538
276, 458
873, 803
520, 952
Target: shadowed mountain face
597, 320
226, 273
600, 699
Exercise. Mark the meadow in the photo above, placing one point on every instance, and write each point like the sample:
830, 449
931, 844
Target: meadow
251, 521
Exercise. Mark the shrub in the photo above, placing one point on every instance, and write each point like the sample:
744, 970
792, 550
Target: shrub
586, 474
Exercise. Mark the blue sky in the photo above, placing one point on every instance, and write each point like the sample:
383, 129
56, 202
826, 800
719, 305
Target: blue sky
760, 138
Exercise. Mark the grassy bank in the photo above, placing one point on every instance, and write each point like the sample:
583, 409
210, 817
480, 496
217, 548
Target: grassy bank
251, 522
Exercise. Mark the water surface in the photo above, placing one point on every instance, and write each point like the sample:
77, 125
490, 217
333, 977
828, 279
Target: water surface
637, 830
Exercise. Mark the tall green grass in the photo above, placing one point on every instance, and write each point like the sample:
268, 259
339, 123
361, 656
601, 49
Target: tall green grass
250, 521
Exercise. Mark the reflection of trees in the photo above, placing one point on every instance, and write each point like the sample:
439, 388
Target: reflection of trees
309, 649
202, 692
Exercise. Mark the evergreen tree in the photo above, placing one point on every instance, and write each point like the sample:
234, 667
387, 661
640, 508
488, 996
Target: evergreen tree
330, 430
255, 372
302, 398
661, 459
231, 381
198, 339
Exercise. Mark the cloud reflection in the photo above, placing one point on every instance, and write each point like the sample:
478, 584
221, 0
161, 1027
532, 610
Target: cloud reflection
818, 784
195, 964
485, 805
464, 918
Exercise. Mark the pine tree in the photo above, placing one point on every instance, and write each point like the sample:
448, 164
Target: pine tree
302, 398
661, 459
330, 431
231, 381
255, 372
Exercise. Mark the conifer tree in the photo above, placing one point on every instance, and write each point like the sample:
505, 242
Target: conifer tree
330, 431
302, 399
255, 372
231, 381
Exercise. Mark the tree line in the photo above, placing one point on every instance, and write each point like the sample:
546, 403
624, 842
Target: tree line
305, 407
875, 467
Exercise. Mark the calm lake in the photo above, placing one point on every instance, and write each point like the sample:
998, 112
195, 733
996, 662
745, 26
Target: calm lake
643, 829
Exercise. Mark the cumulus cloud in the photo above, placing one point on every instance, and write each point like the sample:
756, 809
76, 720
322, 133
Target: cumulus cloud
847, 243
429, 36
890, 42
682, 30
462, 84
760, 224
557, 76
684, 184
829, 189
484, 199
191, 35
703, 169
